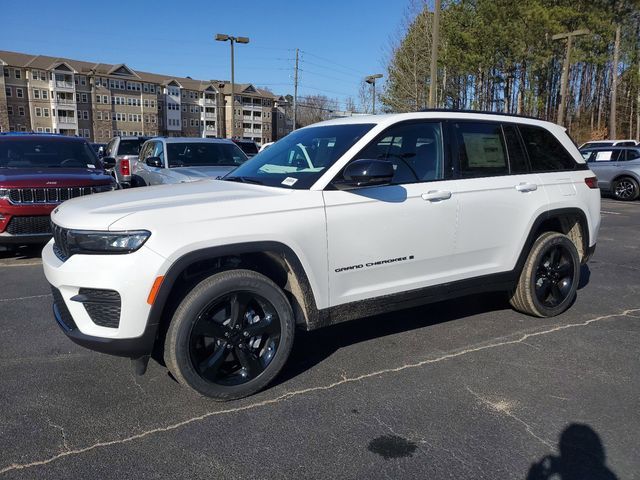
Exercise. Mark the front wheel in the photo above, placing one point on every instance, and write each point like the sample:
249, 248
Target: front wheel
549, 279
625, 189
231, 335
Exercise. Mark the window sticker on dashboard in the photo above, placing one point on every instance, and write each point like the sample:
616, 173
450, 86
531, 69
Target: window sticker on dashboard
289, 181
89, 165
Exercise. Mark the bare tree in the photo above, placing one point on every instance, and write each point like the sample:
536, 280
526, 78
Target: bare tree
315, 108
365, 98
350, 105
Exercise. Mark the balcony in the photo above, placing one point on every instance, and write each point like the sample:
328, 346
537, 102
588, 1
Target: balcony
210, 127
209, 101
209, 115
65, 101
64, 84
67, 120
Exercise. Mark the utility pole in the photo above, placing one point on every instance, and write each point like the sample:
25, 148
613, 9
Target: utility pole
435, 41
614, 85
221, 37
295, 92
564, 79
371, 80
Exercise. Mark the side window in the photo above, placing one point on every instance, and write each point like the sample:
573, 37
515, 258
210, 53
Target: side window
546, 153
146, 149
480, 150
414, 149
605, 156
109, 150
158, 151
633, 154
517, 157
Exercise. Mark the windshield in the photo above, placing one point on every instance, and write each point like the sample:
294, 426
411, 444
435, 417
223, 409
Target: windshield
46, 153
130, 147
299, 159
250, 148
199, 154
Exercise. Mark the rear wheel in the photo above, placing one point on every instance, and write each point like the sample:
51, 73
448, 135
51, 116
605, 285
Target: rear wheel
231, 335
625, 189
549, 280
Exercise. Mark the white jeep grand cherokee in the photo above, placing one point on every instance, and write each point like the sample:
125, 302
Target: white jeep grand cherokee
339, 220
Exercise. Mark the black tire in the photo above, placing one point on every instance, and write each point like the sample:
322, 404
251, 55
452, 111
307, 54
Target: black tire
625, 189
549, 279
229, 358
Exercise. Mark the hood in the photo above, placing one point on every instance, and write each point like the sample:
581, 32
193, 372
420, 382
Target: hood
166, 205
52, 177
198, 173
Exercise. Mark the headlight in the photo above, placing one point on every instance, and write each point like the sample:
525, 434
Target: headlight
81, 241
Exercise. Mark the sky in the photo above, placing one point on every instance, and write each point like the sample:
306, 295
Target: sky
340, 42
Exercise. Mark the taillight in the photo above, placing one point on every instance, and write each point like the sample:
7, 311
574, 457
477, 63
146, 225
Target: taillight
592, 182
125, 167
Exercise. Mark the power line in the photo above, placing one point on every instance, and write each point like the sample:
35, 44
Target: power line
330, 61
327, 76
359, 77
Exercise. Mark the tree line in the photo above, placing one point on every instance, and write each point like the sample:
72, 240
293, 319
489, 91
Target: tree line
501, 55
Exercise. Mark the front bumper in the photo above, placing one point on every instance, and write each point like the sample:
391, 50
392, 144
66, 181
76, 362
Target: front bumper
130, 275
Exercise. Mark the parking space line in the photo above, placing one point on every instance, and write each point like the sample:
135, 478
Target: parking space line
16, 299
287, 395
610, 213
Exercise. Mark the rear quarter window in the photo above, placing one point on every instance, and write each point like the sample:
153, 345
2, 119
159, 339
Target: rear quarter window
546, 153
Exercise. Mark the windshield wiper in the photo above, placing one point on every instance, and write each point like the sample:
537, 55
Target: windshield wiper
243, 180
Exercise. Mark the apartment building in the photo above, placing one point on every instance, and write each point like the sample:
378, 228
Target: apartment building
282, 117
97, 101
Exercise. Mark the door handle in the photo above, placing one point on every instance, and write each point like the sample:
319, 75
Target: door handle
526, 187
436, 195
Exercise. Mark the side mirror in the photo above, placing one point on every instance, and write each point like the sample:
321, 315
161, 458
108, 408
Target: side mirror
154, 162
365, 173
108, 162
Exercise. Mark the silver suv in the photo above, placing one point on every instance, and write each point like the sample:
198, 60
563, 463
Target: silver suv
120, 155
617, 169
179, 160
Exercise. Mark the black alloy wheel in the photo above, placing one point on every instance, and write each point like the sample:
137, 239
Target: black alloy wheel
234, 338
554, 277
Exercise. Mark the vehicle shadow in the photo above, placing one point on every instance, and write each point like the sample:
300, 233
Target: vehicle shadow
585, 276
22, 252
311, 348
582, 457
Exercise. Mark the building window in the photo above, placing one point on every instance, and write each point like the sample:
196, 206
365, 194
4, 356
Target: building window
10, 109
99, 115
85, 115
38, 112
98, 99
47, 129
19, 93
6, 71
36, 93
84, 98
105, 99
7, 91
18, 73
45, 94
46, 112
39, 130
21, 111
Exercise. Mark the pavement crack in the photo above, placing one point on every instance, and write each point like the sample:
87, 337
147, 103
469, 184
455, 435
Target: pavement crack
319, 388
62, 432
505, 408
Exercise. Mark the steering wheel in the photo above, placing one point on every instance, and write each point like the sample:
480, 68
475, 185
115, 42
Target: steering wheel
68, 161
404, 161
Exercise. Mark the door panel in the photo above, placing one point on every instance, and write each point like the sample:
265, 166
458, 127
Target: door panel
388, 239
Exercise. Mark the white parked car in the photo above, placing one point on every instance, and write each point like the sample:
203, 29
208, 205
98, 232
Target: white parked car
178, 160
609, 143
339, 220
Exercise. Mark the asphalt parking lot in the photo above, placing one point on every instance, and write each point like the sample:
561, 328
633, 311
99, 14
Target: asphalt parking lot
460, 389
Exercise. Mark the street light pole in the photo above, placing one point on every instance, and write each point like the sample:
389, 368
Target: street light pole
371, 80
564, 79
221, 37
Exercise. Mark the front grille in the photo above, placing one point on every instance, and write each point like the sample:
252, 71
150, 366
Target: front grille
61, 244
20, 196
103, 306
60, 307
35, 225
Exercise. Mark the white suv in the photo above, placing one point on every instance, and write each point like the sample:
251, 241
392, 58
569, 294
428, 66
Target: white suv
343, 219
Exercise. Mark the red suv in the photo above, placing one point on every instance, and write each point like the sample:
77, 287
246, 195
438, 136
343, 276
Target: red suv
38, 172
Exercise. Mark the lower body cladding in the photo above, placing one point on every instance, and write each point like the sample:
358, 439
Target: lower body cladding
100, 301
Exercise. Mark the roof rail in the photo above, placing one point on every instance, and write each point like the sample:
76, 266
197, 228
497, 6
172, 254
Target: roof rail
485, 112
32, 133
